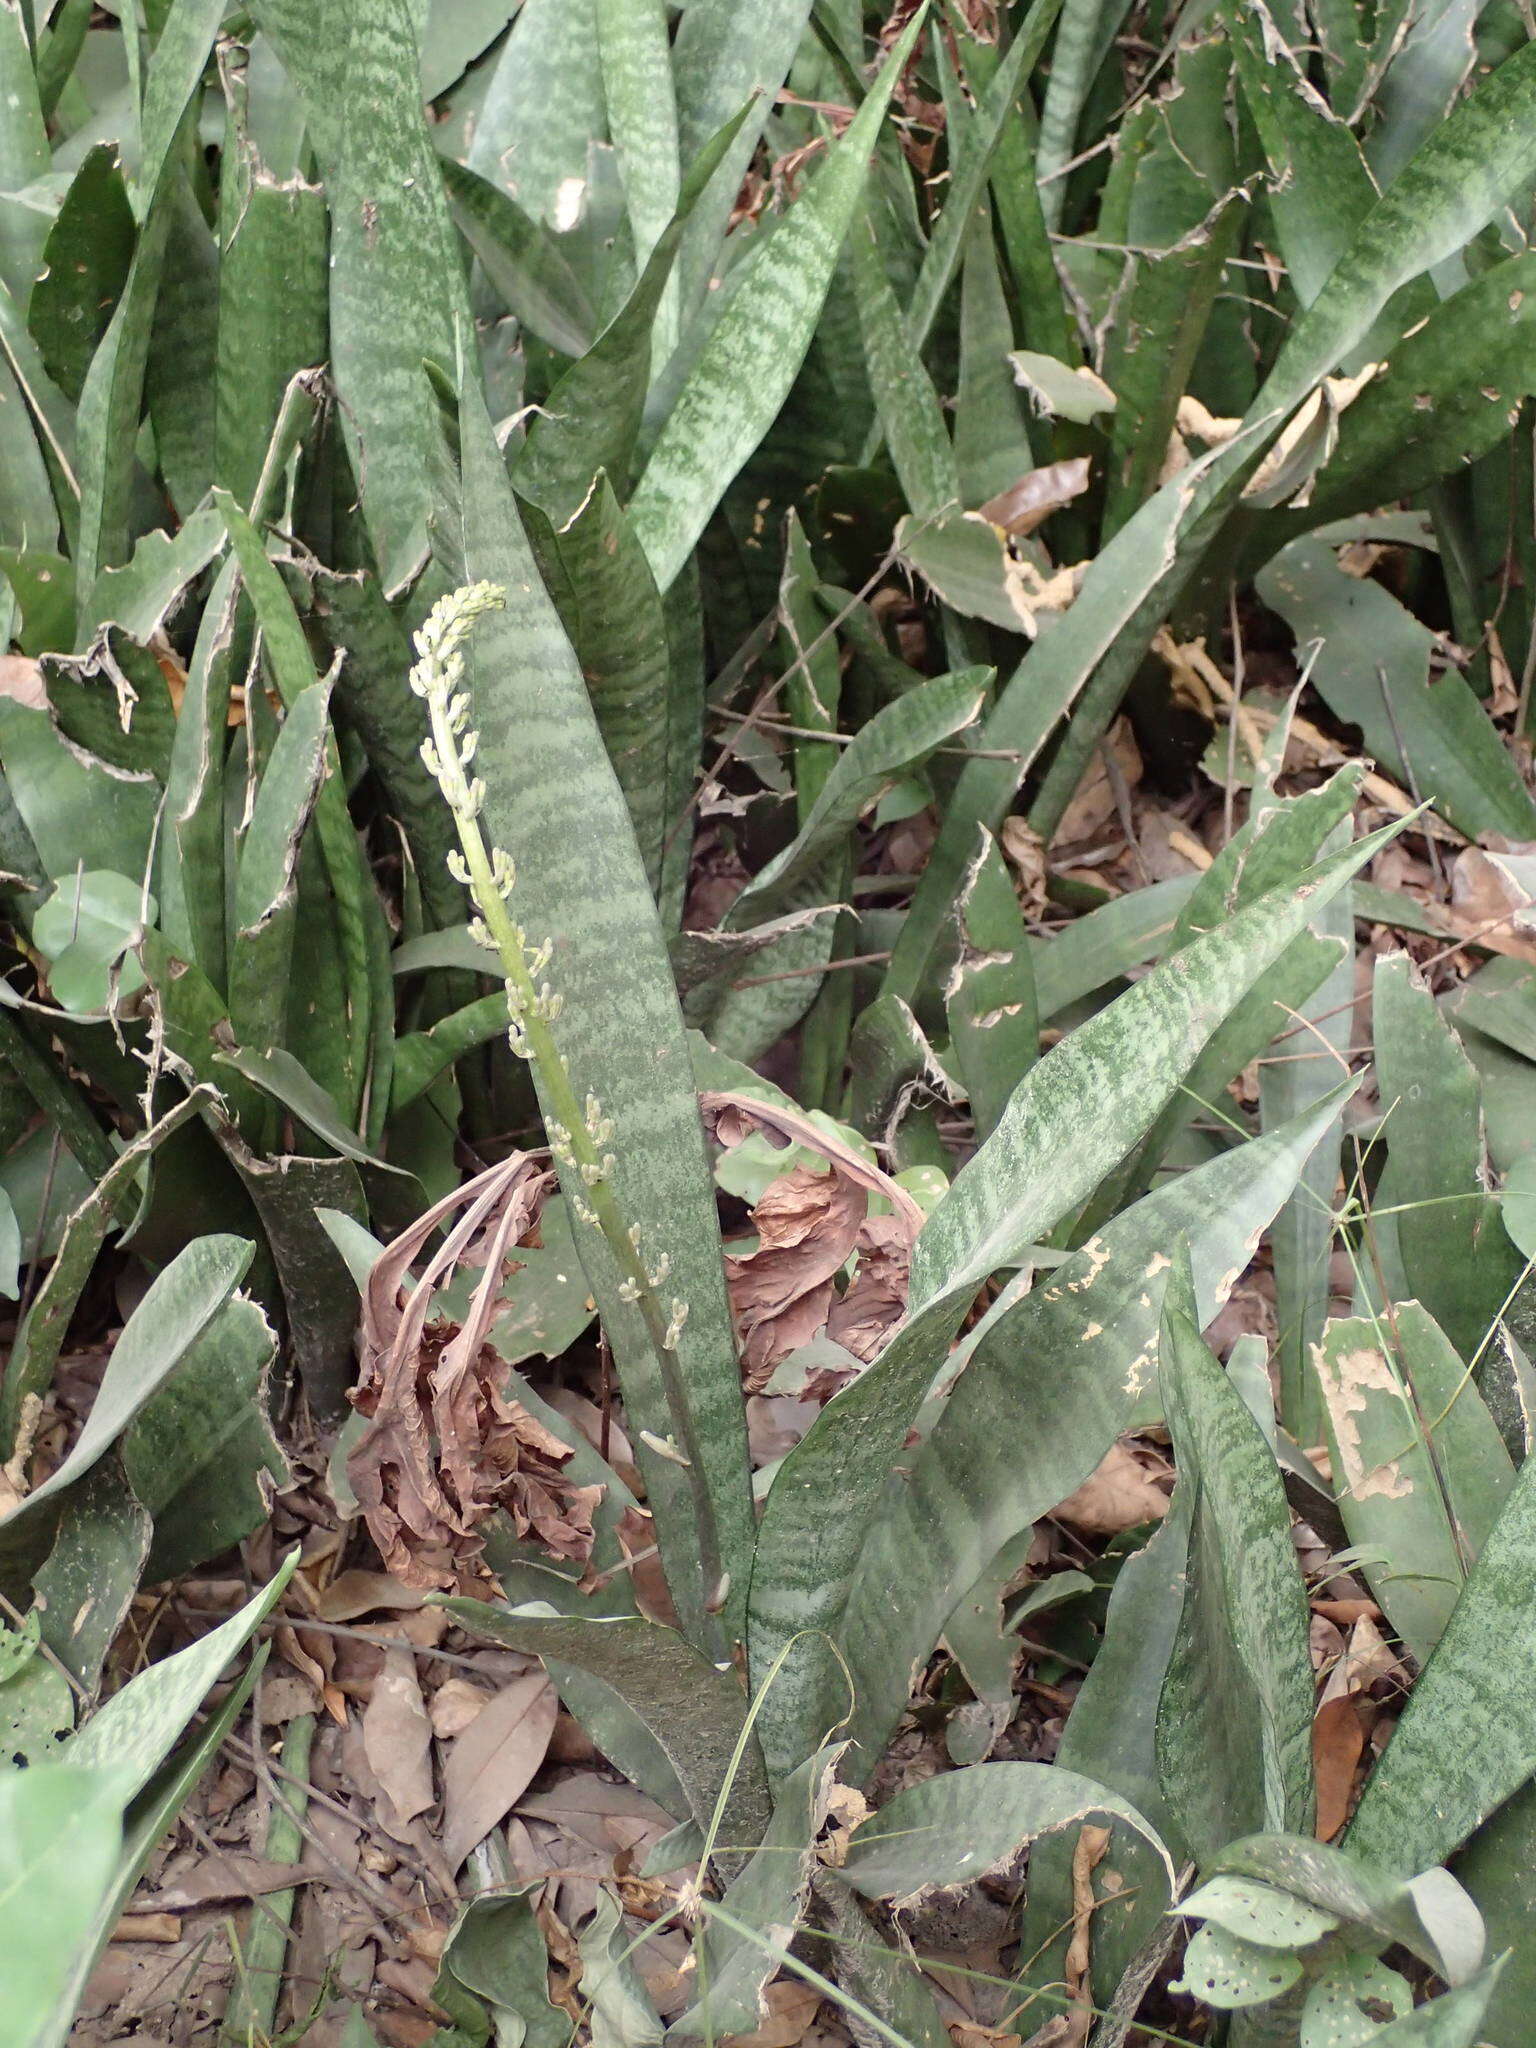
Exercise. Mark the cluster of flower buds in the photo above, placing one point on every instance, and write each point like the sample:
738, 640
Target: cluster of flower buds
449, 753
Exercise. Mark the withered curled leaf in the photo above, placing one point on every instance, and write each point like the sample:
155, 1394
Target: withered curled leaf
446, 1446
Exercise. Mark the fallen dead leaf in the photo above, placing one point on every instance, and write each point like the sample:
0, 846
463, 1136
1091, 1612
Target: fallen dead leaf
791, 2006
1026, 853
354, 1593
397, 1737
492, 1764
1338, 1739
1087, 1854
1037, 494
1094, 802
456, 1703
1119, 1494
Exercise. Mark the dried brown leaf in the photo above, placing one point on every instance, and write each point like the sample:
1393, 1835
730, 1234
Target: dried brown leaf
1119, 1494
807, 1223
352, 1594
875, 1300
446, 1446
456, 1703
397, 1738
1037, 494
808, 1226
492, 1764
790, 2007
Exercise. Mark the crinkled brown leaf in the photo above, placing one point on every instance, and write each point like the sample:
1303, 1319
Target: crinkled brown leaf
876, 1298
446, 1446
809, 1224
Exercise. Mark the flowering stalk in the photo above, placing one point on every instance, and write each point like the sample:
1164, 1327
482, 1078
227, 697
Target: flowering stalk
578, 1132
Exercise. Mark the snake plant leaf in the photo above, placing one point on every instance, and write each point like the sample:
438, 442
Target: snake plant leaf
130, 1736
521, 260
1234, 1719
266, 893
352, 887
181, 1303
1467, 1736
994, 1022
24, 157
1453, 2020
899, 737
723, 57
1437, 403
1421, 1468
996, 110
621, 2014
633, 46
735, 390
1045, 1156
906, 403
60, 1834
546, 770
876, 1971
955, 1828
200, 1455
140, 595
1087, 29
766, 1903
86, 1587
1450, 1230
544, 106
180, 374
592, 419
1372, 668
113, 391
1498, 1868
1483, 152
191, 864
144, 1823
601, 582
272, 307
1318, 183
1111, 1737
992, 439
375, 653
496, 1951
85, 267
397, 295
1431, 1915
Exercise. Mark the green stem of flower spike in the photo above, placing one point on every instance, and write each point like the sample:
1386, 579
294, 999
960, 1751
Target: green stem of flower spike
578, 1133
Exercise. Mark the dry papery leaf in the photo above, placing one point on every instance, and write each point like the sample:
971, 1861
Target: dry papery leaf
791, 2004
445, 1446
492, 1764
1119, 1494
1037, 494
397, 1739
1490, 903
1346, 1712
809, 1224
